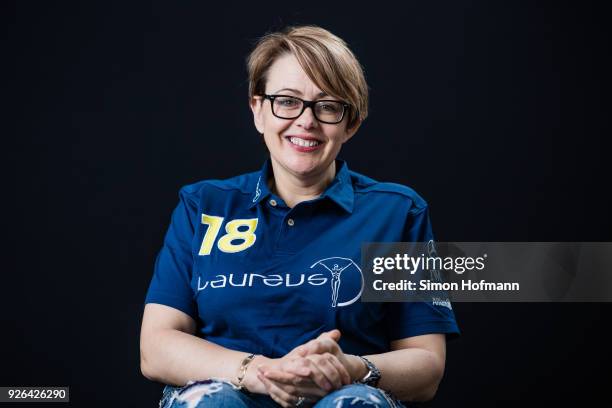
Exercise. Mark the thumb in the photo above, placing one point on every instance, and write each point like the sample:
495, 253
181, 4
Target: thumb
301, 351
333, 334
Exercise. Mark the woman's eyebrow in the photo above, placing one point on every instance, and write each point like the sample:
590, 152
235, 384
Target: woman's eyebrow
321, 94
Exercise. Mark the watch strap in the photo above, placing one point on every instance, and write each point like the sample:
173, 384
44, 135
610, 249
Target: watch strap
372, 376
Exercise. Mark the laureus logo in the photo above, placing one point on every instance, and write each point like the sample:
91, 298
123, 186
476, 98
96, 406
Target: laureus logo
342, 269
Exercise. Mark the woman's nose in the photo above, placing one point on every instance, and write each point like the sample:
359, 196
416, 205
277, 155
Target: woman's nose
307, 119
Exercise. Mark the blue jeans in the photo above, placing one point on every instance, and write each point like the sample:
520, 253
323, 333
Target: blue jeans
218, 393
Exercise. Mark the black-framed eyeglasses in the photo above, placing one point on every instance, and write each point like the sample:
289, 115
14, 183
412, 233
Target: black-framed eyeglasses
291, 107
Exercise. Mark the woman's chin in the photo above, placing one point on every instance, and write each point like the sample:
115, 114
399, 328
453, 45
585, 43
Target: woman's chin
304, 168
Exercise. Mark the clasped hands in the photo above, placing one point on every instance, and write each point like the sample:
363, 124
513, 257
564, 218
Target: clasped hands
305, 374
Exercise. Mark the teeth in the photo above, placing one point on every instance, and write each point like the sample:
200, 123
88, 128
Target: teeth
302, 142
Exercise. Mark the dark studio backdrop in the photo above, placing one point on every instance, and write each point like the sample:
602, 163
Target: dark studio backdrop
497, 113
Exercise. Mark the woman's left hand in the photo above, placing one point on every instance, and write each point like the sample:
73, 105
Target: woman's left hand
303, 378
312, 371
328, 343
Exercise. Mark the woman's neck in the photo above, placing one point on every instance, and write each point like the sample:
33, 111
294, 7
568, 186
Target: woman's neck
295, 189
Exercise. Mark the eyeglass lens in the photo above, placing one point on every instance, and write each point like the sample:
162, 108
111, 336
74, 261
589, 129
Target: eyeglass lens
326, 111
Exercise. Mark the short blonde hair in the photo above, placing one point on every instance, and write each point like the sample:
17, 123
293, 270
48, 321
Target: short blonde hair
324, 57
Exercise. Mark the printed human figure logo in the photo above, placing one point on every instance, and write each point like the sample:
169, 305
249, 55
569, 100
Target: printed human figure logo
333, 266
257, 190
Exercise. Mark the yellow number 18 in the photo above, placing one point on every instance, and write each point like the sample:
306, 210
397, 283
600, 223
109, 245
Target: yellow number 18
226, 243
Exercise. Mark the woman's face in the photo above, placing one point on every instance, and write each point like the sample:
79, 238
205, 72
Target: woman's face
283, 137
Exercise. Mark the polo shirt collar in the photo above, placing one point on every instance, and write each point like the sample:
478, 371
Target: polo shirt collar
260, 189
339, 191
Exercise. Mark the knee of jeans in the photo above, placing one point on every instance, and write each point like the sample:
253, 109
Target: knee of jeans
195, 391
356, 395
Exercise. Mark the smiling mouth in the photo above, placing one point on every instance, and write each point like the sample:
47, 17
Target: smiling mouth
303, 142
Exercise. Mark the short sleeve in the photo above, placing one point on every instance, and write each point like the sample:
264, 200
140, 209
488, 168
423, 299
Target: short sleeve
171, 282
409, 319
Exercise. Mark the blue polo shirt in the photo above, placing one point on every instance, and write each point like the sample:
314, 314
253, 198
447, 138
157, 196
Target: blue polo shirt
260, 277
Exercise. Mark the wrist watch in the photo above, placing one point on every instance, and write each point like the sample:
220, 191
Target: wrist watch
372, 376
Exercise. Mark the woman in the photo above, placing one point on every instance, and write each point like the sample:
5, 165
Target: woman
255, 295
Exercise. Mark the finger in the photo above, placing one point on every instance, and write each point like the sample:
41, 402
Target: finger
315, 346
280, 402
317, 376
311, 347
278, 394
267, 384
344, 374
328, 369
305, 387
333, 334
301, 369
320, 345
288, 387
297, 366
300, 373
301, 351
284, 377
311, 393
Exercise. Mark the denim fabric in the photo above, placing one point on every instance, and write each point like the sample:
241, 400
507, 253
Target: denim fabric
359, 395
213, 394
217, 394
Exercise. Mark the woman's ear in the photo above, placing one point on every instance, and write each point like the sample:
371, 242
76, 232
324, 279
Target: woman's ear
256, 104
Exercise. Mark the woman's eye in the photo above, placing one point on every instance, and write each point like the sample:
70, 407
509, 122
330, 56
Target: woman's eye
287, 102
329, 107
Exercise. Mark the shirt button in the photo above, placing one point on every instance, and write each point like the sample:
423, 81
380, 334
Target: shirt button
273, 202
290, 222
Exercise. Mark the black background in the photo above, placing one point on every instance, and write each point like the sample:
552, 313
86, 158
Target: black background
495, 112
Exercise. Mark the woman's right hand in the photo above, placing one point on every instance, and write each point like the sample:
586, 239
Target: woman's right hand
299, 374
328, 343
311, 377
